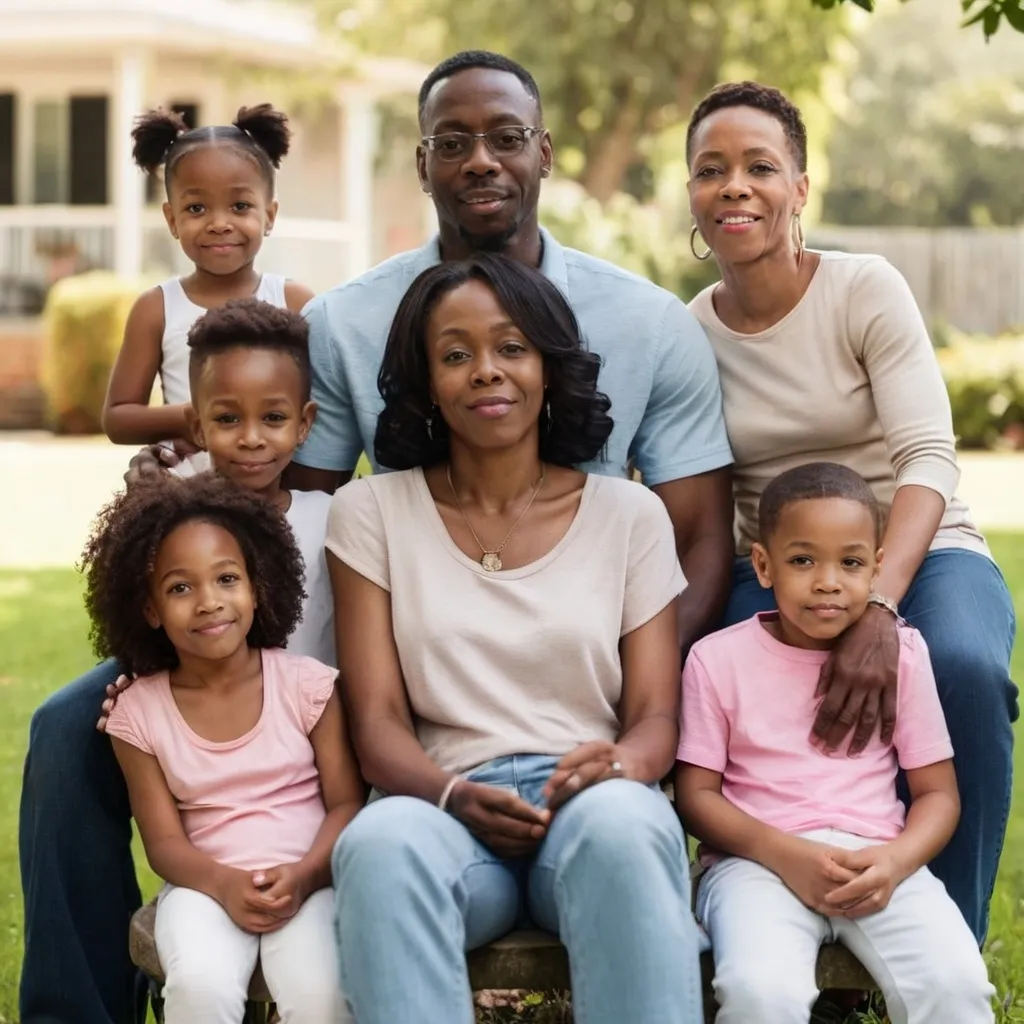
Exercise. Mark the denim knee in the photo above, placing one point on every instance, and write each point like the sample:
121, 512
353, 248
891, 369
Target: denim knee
387, 834
972, 681
62, 731
624, 824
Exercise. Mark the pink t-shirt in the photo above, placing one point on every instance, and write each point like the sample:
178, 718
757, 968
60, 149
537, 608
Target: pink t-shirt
252, 802
748, 706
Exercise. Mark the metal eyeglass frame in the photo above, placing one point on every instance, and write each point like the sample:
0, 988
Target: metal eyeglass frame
429, 142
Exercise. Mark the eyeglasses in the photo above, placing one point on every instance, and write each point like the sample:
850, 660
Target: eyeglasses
508, 141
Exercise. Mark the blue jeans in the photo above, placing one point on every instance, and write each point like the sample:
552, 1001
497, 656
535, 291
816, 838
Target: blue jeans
415, 890
77, 874
960, 604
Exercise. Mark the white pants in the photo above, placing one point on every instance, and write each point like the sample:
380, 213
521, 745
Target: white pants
208, 961
765, 942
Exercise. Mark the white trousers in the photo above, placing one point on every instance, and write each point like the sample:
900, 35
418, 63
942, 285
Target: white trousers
208, 961
765, 942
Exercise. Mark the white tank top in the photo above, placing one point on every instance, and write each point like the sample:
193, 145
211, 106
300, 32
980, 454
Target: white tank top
180, 313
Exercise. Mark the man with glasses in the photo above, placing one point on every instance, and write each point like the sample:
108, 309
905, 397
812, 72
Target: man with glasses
483, 155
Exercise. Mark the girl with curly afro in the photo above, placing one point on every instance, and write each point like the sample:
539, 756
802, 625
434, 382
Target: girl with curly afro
234, 751
220, 207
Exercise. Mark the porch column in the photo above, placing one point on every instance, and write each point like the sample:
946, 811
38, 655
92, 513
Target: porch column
358, 150
131, 73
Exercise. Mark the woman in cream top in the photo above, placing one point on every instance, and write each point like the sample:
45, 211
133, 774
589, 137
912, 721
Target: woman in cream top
824, 356
509, 652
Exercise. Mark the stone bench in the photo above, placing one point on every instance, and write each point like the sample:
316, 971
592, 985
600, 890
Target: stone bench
534, 961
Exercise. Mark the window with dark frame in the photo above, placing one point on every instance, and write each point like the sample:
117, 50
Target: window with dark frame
88, 123
7, 130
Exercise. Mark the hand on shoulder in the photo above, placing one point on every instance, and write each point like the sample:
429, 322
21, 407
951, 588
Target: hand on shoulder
151, 462
114, 690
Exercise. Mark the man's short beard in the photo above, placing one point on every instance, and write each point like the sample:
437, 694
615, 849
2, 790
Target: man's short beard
489, 243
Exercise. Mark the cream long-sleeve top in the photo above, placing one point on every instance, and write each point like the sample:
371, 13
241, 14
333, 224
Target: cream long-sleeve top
849, 376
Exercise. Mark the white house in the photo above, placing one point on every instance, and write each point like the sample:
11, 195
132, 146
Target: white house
75, 73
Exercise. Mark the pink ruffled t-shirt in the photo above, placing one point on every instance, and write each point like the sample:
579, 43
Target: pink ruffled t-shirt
748, 707
252, 802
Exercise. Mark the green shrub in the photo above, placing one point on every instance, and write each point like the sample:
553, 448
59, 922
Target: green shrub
84, 323
640, 237
985, 380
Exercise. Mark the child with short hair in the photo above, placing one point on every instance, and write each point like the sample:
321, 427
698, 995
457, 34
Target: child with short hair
220, 206
235, 752
805, 847
250, 409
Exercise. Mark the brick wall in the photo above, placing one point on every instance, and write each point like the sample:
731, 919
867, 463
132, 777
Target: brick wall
22, 404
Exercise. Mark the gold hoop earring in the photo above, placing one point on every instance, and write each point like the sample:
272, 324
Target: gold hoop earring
693, 247
797, 232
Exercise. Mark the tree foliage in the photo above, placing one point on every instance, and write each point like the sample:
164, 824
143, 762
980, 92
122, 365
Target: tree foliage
989, 14
931, 131
613, 73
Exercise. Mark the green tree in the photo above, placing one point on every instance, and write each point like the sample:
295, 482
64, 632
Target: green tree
930, 132
614, 73
989, 14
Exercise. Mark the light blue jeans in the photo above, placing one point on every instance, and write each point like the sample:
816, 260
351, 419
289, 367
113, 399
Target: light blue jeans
415, 890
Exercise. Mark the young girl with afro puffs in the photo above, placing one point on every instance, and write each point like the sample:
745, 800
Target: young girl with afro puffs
234, 751
220, 207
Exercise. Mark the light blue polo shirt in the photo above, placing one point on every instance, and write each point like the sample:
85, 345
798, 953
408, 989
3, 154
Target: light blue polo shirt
657, 365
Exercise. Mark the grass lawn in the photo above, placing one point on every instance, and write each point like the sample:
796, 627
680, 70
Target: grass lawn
43, 644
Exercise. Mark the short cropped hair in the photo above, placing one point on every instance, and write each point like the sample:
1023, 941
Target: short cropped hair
760, 97
121, 552
249, 324
469, 59
261, 133
810, 481
578, 424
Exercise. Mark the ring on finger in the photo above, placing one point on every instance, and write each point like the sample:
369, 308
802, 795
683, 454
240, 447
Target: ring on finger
616, 766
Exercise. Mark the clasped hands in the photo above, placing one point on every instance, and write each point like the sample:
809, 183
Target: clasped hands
509, 825
838, 882
262, 901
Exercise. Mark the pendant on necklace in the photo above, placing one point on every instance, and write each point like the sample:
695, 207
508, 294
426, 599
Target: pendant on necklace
491, 561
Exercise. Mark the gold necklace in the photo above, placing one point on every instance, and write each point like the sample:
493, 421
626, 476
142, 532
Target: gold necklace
491, 560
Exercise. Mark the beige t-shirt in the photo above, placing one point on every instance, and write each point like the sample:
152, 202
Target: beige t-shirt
848, 376
520, 661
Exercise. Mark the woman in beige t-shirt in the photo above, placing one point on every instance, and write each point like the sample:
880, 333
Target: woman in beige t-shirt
824, 356
509, 652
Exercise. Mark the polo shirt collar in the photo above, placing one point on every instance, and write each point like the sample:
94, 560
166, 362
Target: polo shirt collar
552, 261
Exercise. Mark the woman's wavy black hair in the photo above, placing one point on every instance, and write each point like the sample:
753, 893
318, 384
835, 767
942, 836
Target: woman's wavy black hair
579, 424
121, 552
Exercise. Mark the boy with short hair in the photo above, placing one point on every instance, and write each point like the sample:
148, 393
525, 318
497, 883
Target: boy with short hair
249, 378
804, 847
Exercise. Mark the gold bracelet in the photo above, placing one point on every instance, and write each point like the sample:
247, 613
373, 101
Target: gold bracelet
885, 602
446, 793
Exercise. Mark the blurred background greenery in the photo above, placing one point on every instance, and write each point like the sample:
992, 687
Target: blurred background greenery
916, 151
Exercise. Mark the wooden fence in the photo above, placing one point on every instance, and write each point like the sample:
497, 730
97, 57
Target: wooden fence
968, 278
